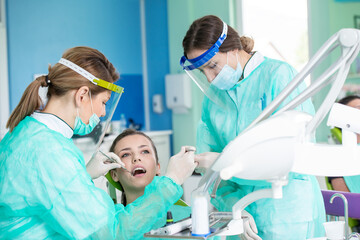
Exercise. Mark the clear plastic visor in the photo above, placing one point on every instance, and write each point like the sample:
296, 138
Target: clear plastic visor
204, 75
110, 104
105, 120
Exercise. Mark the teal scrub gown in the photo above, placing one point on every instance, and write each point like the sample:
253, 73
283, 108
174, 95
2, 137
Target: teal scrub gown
300, 213
46, 193
353, 183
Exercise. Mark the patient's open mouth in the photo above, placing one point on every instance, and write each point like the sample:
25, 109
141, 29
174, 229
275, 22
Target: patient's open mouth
139, 171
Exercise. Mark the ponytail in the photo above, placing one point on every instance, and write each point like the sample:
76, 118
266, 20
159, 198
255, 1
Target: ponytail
247, 44
29, 102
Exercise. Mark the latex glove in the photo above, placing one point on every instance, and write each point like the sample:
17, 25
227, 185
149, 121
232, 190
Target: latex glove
99, 165
182, 165
250, 229
205, 161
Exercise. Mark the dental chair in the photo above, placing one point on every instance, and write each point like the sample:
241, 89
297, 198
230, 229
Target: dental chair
346, 205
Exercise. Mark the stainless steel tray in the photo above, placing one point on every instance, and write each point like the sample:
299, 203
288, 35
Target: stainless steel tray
218, 223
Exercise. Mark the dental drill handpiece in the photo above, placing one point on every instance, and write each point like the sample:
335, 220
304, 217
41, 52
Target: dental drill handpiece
113, 161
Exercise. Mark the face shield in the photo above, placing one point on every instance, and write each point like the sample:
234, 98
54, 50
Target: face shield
203, 69
115, 95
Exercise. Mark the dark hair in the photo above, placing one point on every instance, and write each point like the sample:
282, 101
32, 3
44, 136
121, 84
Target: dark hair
125, 133
62, 79
348, 99
205, 31
130, 132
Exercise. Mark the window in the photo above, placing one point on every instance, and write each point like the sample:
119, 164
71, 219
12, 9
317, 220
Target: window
279, 29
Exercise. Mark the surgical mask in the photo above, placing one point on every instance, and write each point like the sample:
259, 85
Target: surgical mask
80, 128
228, 77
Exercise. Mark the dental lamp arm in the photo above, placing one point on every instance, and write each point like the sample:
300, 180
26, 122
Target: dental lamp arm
349, 41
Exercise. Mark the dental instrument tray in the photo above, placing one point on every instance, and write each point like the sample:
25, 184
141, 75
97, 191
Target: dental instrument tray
218, 222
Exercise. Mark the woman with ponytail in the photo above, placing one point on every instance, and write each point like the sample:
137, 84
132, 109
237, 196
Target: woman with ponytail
46, 191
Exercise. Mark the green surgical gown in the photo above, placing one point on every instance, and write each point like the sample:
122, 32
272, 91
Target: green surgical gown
353, 183
300, 213
46, 193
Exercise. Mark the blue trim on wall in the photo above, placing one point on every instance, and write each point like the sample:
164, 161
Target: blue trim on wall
40, 31
157, 42
131, 103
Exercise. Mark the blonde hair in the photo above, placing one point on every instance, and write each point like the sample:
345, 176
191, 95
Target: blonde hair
62, 79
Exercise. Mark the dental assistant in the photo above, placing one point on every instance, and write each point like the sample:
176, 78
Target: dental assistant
46, 191
238, 85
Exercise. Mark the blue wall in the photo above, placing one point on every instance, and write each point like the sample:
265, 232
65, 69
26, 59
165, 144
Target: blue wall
131, 103
157, 58
40, 31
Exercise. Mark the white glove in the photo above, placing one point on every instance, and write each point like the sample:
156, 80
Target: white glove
181, 165
205, 160
99, 164
250, 229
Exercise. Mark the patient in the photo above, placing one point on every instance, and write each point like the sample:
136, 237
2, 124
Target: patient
138, 152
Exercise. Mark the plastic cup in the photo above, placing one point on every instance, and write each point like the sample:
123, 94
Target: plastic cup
335, 230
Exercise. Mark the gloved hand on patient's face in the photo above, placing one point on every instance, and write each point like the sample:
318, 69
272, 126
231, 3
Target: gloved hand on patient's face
205, 161
182, 165
250, 229
99, 164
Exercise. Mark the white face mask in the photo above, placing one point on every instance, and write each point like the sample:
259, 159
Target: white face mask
228, 77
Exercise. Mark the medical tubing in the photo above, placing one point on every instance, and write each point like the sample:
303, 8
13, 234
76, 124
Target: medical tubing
216, 186
211, 180
248, 199
294, 83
